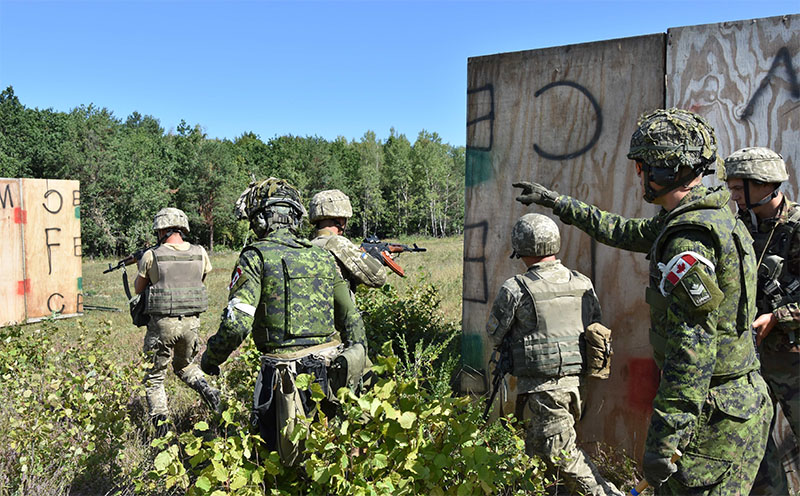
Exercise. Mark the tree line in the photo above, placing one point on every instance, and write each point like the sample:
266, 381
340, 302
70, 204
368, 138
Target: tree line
129, 169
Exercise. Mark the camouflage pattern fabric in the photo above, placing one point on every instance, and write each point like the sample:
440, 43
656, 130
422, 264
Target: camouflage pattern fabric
757, 163
329, 204
535, 235
171, 217
550, 406
712, 404
267, 271
550, 418
170, 339
780, 358
355, 265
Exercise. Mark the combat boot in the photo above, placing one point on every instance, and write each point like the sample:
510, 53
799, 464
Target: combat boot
210, 395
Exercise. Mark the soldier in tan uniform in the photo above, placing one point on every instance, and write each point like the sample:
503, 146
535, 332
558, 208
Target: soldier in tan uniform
545, 312
171, 279
329, 211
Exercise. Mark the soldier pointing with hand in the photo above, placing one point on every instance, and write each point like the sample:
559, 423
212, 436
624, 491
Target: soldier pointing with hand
712, 403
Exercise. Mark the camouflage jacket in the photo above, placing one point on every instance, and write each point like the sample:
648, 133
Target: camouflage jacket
783, 236
355, 265
701, 314
513, 311
287, 292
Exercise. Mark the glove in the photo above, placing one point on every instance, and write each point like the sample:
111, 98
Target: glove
657, 468
536, 193
207, 367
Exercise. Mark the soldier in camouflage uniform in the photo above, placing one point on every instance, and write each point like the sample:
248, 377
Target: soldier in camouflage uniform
289, 294
171, 277
712, 403
754, 176
329, 211
545, 312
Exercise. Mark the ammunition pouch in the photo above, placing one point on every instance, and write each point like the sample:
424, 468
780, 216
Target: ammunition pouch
137, 307
348, 368
597, 351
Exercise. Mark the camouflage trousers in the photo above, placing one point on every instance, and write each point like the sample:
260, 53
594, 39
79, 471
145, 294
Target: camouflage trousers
550, 418
781, 370
728, 440
170, 339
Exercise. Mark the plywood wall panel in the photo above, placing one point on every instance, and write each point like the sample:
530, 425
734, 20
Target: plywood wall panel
52, 247
12, 275
563, 117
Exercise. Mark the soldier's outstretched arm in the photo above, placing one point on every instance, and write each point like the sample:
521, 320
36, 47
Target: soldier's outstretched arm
237, 317
608, 228
346, 316
690, 309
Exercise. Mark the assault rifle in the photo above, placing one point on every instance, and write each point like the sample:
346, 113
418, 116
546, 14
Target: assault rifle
135, 256
503, 364
382, 251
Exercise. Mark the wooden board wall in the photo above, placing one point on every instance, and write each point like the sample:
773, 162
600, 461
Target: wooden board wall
41, 249
563, 117
743, 77
12, 280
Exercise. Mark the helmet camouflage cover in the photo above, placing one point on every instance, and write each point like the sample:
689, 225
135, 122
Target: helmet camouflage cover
535, 235
329, 204
757, 163
272, 194
673, 138
171, 217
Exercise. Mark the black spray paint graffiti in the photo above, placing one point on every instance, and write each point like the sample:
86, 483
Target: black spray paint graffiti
598, 126
489, 116
482, 293
784, 57
7, 200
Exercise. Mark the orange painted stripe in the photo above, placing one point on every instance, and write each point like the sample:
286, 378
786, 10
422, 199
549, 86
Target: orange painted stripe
23, 287
20, 216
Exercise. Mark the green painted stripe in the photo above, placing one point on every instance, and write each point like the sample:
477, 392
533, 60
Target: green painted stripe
472, 351
80, 284
478, 167
78, 212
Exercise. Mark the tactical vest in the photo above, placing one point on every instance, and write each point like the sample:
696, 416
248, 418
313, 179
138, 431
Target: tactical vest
553, 348
297, 284
179, 290
775, 282
735, 275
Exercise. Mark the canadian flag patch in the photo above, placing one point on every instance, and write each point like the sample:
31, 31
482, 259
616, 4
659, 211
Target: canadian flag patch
674, 270
236, 275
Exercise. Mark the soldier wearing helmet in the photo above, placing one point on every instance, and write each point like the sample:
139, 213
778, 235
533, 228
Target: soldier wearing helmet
754, 176
545, 312
329, 211
288, 294
170, 280
712, 404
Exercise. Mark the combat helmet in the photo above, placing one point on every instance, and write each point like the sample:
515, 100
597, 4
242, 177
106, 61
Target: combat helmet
535, 235
171, 217
270, 203
756, 164
329, 204
667, 140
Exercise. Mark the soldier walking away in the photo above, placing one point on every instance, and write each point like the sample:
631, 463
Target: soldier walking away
545, 313
712, 404
754, 176
170, 280
329, 211
288, 293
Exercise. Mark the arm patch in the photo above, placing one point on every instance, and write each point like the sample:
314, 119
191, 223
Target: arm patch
678, 267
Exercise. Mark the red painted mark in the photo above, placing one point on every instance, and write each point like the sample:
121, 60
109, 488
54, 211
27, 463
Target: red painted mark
20, 216
23, 287
643, 376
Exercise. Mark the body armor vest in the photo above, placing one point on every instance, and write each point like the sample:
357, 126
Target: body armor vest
775, 282
297, 284
179, 290
735, 275
553, 348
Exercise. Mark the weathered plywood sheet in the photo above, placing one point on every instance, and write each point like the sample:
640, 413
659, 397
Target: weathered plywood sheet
563, 117
52, 237
12, 276
743, 77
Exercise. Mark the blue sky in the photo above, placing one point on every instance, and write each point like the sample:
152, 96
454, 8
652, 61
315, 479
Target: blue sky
305, 68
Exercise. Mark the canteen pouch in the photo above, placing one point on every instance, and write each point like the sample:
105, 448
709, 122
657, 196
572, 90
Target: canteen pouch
598, 351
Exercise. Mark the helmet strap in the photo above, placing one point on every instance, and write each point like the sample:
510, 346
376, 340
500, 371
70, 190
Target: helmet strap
750, 205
